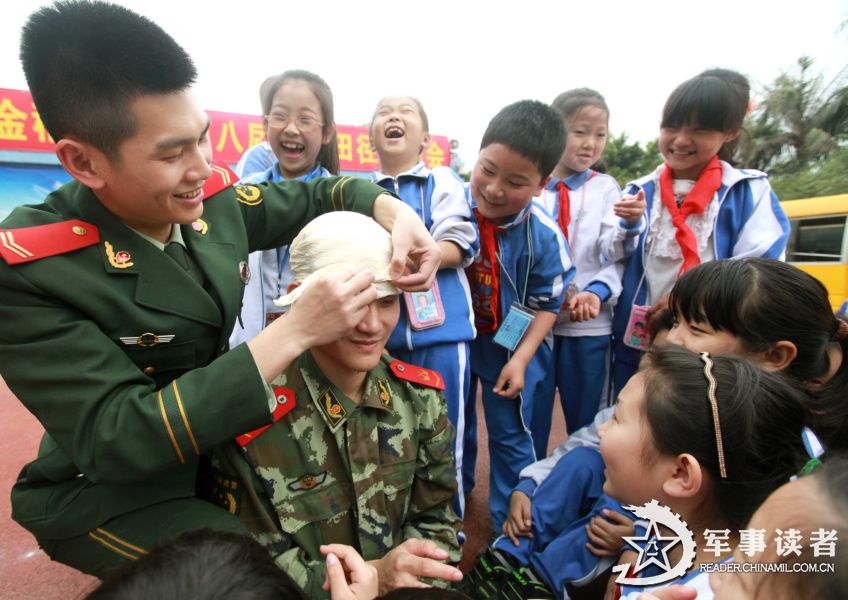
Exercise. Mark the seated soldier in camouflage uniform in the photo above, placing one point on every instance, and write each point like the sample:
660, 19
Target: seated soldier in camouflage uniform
360, 452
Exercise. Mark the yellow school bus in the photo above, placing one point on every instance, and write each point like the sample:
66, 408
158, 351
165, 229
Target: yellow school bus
818, 242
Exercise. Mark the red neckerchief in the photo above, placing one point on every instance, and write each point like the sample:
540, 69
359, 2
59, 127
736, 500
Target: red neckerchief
484, 277
695, 202
564, 215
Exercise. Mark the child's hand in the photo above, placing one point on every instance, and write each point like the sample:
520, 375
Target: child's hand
606, 534
341, 561
631, 208
511, 380
584, 306
518, 521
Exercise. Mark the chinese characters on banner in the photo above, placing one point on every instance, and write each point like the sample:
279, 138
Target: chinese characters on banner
230, 133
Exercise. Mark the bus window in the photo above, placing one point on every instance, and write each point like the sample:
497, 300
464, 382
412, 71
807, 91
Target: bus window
816, 240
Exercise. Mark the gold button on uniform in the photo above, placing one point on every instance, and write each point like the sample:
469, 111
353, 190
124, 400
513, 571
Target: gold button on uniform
149, 370
78, 230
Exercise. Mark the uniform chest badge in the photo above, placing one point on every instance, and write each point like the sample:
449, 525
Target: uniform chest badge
244, 271
147, 340
332, 408
200, 226
307, 482
384, 392
120, 259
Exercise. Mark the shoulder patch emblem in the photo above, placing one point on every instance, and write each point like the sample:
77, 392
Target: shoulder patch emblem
28, 244
420, 375
307, 482
332, 408
222, 177
285, 404
384, 392
249, 195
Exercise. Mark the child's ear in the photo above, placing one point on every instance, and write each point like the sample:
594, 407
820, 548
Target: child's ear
329, 130
732, 135
685, 477
83, 162
425, 141
542, 185
779, 356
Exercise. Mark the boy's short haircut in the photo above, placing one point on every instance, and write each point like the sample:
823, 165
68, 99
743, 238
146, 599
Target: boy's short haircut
532, 129
85, 63
203, 565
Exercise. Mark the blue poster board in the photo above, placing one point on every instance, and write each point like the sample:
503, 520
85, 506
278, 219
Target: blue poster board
28, 184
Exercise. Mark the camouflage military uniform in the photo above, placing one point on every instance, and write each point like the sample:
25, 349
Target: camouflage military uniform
331, 471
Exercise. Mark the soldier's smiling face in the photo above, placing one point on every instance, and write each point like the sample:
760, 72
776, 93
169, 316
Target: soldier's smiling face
156, 179
360, 349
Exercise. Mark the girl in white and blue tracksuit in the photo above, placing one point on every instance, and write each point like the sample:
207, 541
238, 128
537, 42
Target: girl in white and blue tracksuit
745, 220
599, 242
535, 269
270, 272
438, 196
699, 208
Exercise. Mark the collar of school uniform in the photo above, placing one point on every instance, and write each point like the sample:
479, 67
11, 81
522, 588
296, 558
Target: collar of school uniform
573, 182
419, 171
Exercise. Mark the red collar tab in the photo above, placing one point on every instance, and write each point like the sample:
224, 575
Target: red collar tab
419, 375
285, 404
33, 243
222, 177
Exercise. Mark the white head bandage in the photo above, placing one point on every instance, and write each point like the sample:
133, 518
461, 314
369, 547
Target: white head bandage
337, 241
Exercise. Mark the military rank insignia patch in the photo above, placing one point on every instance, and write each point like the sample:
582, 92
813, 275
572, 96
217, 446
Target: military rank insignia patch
419, 375
332, 408
249, 195
222, 177
307, 482
384, 392
32, 243
285, 404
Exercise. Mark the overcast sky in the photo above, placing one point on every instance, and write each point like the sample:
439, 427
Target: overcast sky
465, 60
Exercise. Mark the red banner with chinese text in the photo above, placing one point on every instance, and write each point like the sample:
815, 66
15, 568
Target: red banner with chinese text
231, 134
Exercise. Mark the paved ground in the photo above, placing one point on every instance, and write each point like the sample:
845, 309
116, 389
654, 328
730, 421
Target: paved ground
27, 573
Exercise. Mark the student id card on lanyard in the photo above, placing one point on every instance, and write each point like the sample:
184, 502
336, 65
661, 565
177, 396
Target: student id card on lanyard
270, 316
517, 321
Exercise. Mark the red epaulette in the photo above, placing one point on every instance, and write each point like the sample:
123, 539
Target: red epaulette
285, 404
33, 243
222, 177
419, 375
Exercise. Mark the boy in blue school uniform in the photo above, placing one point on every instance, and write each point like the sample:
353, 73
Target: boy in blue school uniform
435, 327
517, 283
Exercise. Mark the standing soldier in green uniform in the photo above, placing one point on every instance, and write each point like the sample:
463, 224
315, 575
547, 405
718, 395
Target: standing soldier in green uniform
360, 453
118, 348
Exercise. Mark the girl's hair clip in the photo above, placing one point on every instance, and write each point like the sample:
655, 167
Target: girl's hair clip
811, 466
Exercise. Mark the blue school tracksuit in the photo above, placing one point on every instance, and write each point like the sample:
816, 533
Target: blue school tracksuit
270, 272
535, 269
749, 222
438, 197
598, 242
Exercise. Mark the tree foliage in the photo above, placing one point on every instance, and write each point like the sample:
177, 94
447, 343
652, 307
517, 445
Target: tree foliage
798, 133
628, 161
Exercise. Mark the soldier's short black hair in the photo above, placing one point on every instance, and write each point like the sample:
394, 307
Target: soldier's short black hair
85, 62
532, 129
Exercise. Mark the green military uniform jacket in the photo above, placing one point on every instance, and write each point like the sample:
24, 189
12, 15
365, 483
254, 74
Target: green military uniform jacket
369, 475
128, 414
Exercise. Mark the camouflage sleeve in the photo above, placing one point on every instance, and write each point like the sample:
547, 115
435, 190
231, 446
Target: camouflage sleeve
431, 515
308, 574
